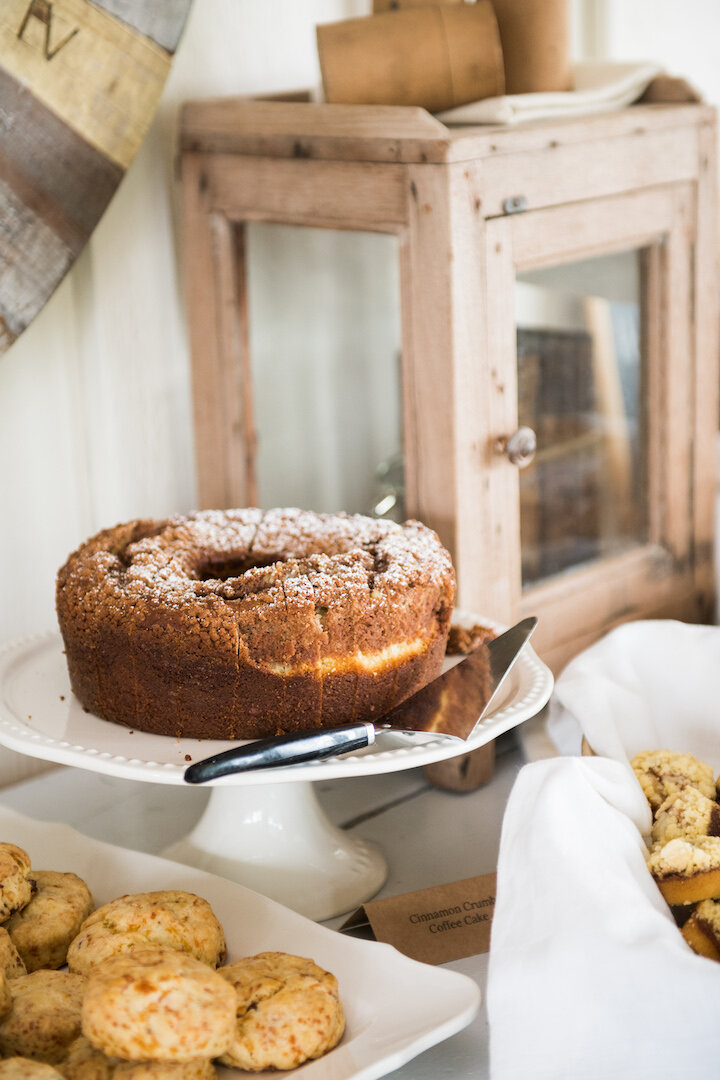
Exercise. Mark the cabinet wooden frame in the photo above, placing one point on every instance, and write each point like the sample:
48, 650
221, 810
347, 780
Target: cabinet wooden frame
656, 577
642, 178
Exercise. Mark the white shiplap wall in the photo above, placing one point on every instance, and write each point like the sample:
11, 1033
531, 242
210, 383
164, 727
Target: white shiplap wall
94, 397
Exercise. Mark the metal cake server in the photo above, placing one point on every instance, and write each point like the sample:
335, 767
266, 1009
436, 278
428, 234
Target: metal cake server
452, 705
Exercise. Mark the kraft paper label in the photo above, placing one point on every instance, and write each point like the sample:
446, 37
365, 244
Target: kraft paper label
434, 925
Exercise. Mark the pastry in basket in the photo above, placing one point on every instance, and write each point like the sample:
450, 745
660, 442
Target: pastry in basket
702, 929
685, 814
664, 772
288, 1011
84, 1062
171, 918
43, 930
156, 1004
687, 871
10, 960
45, 1015
22, 1068
15, 886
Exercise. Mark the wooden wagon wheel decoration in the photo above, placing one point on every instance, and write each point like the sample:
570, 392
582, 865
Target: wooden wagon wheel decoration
79, 85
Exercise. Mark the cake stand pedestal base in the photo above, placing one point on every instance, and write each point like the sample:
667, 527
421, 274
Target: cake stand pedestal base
277, 840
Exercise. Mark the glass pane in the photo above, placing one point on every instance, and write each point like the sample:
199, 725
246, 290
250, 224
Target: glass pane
324, 324
581, 389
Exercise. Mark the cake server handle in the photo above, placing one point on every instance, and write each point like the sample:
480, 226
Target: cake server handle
282, 750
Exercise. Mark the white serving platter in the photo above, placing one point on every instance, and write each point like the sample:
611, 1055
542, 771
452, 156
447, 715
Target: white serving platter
395, 1007
39, 716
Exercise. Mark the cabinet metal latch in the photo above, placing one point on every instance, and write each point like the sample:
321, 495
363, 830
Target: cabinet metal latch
515, 204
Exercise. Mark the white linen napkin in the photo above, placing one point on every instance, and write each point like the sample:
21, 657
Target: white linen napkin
651, 684
589, 978
598, 86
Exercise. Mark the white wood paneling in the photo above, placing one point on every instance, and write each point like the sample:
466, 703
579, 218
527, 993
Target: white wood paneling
94, 397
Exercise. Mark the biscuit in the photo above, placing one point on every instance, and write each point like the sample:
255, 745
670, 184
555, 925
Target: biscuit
22, 1068
45, 1015
84, 1062
288, 1011
10, 959
171, 918
15, 889
156, 1004
664, 772
43, 930
6, 1000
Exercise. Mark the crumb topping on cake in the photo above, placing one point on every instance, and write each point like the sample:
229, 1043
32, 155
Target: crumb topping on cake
686, 814
662, 773
685, 857
218, 576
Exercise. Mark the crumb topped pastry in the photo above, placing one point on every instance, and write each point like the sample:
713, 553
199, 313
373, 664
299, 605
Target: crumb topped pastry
685, 814
245, 623
171, 918
664, 772
288, 1011
687, 870
155, 1004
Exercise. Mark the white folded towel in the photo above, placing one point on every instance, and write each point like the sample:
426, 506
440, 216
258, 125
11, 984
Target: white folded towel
589, 977
599, 86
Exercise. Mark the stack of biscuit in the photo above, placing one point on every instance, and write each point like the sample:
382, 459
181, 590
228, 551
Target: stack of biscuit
684, 856
135, 990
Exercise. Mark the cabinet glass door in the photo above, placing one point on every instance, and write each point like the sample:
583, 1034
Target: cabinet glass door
581, 387
324, 338
590, 320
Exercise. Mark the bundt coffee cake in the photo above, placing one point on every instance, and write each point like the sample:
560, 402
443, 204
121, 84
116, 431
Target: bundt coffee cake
246, 623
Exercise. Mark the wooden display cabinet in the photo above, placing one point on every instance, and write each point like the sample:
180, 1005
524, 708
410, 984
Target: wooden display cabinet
560, 277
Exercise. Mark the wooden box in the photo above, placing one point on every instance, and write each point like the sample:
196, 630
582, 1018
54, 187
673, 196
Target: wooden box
614, 520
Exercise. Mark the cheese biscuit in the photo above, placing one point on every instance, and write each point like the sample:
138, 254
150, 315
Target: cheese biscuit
45, 1015
170, 918
288, 1011
22, 1068
10, 960
6, 1000
156, 1004
43, 930
84, 1062
15, 888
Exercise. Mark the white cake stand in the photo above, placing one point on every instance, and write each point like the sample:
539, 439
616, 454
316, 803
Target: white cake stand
263, 829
